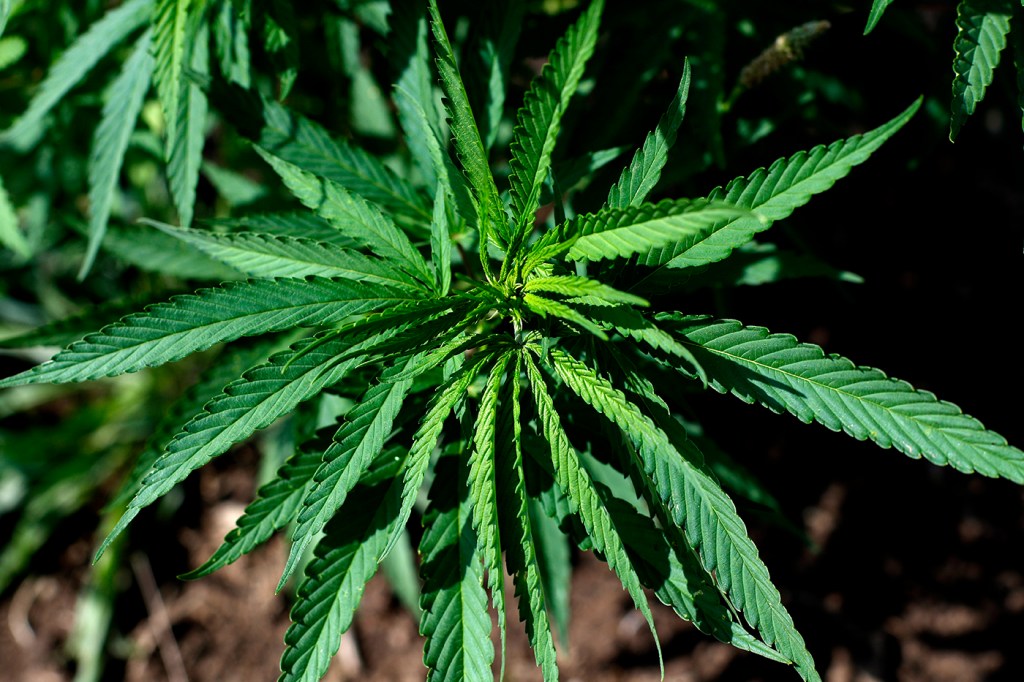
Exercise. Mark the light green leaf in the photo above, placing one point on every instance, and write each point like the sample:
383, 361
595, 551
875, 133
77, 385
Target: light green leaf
585, 501
186, 324
539, 119
468, 144
572, 285
877, 8
366, 429
982, 26
498, 42
415, 98
265, 255
110, 141
171, 34
10, 231
297, 225
787, 376
694, 500
186, 136
153, 251
247, 405
5, 13
73, 65
343, 562
774, 194
545, 306
234, 187
455, 620
352, 216
230, 32
619, 233
555, 562
644, 171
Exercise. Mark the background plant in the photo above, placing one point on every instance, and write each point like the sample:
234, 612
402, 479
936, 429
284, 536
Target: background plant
411, 209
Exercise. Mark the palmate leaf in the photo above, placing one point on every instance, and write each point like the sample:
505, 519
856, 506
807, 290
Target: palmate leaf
73, 65
784, 375
773, 194
366, 429
982, 26
186, 324
520, 543
693, 499
110, 141
620, 233
540, 117
170, 35
470, 147
247, 405
307, 145
574, 482
639, 178
455, 620
343, 561
351, 215
877, 8
184, 151
267, 255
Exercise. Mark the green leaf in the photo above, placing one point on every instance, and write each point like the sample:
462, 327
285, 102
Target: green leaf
639, 178
352, 215
281, 42
455, 620
110, 141
774, 194
545, 307
483, 492
171, 34
186, 324
468, 144
297, 225
877, 8
415, 96
343, 562
514, 516
441, 245
499, 35
571, 285
787, 376
539, 119
585, 501
555, 562
160, 253
185, 138
366, 429
619, 233
305, 144
72, 66
265, 255
982, 26
5, 13
230, 32
247, 405
10, 232
693, 499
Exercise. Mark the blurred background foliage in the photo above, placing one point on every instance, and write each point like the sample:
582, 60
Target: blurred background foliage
931, 227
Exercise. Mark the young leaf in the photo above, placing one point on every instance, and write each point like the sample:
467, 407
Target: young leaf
351, 215
230, 32
545, 306
774, 194
644, 171
982, 26
786, 376
185, 139
186, 324
365, 431
540, 118
110, 141
571, 285
170, 36
455, 619
265, 255
877, 8
247, 405
470, 147
503, 25
343, 562
692, 498
73, 65
441, 245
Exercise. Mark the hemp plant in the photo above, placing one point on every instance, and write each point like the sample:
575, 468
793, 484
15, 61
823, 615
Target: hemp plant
521, 366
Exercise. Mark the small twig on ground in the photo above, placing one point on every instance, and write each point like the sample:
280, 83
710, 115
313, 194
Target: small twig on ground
160, 622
